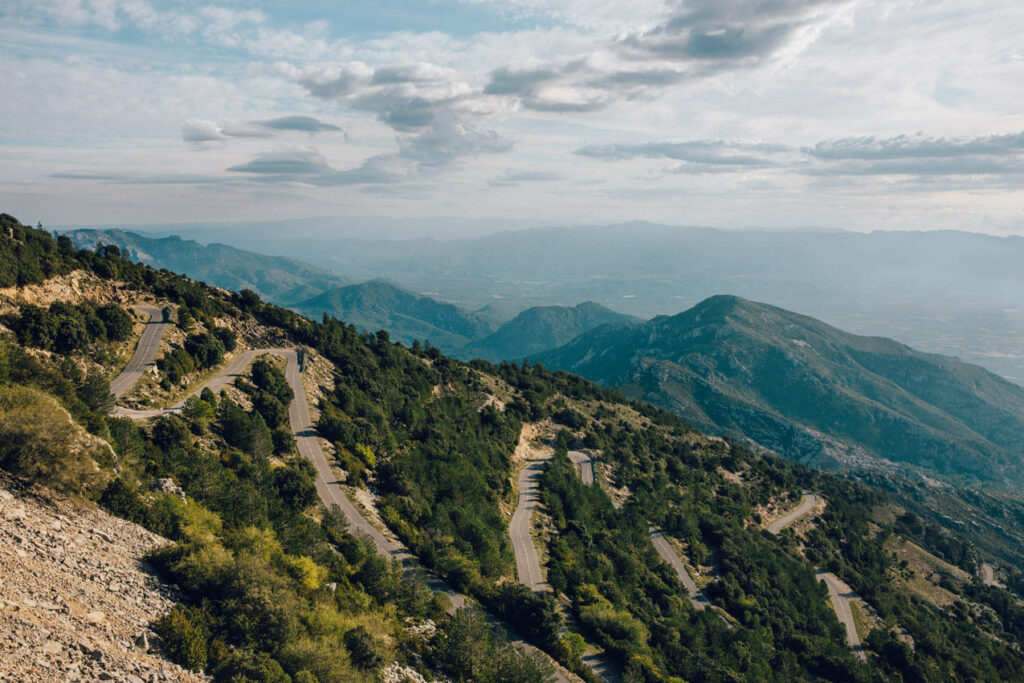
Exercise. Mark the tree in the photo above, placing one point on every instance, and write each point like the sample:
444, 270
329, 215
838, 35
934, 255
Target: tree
361, 648
206, 349
116, 322
296, 484
227, 337
262, 440
170, 431
272, 410
235, 425
95, 392
533, 614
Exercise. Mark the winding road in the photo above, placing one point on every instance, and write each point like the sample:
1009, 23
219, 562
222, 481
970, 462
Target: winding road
527, 561
145, 351
806, 503
841, 596
584, 466
329, 489
839, 593
585, 470
528, 567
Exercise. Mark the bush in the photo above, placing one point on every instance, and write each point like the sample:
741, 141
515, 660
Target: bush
206, 349
185, 636
361, 648
39, 441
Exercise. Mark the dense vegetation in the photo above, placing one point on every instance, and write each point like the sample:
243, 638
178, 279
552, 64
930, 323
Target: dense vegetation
67, 328
202, 351
276, 593
279, 590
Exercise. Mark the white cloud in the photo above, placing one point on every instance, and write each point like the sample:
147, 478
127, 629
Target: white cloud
679, 94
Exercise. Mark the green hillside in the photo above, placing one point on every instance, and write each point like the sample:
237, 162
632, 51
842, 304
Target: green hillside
379, 305
277, 586
542, 328
812, 392
278, 279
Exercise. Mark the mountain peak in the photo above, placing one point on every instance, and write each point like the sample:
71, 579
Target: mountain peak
735, 366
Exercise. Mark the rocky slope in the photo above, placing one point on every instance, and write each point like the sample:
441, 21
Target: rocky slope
78, 598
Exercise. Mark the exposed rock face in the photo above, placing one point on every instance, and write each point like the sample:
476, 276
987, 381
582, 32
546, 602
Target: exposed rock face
166, 486
76, 598
74, 288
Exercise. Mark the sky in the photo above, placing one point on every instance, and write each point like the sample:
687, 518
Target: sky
850, 114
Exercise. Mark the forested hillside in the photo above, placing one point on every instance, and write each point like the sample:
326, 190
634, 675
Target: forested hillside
279, 588
379, 305
542, 328
811, 392
278, 279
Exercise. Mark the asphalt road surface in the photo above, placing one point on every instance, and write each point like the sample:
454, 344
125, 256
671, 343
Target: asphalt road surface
671, 557
805, 506
145, 350
584, 466
841, 596
527, 562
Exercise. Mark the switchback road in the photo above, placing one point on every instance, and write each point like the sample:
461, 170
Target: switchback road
841, 596
328, 487
839, 593
671, 557
145, 350
527, 561
806, 504
584, 466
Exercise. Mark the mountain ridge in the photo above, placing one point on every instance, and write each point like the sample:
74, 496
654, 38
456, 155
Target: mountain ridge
380, 305
276, 278
540, 328
734, 366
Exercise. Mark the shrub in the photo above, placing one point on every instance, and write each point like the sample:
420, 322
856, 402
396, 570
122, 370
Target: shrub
184, 636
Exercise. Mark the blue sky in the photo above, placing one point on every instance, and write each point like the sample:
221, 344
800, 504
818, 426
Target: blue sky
856, 114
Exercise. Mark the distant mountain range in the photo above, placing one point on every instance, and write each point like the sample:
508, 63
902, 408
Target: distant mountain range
371, 306
541, 328
810, 391
379, 305
950, 292
275, 278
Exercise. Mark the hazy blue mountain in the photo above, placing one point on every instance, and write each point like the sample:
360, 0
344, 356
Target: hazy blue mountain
379, 305
542, 328
276, 278
956, 293
810, 391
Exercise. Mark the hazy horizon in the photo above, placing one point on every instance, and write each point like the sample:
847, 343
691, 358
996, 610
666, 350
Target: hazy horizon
442, 229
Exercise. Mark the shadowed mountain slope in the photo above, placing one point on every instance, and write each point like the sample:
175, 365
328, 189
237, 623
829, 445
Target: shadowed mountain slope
810, 391
378, 305
542, 328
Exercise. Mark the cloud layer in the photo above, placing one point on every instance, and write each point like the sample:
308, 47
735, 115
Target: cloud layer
731, 112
